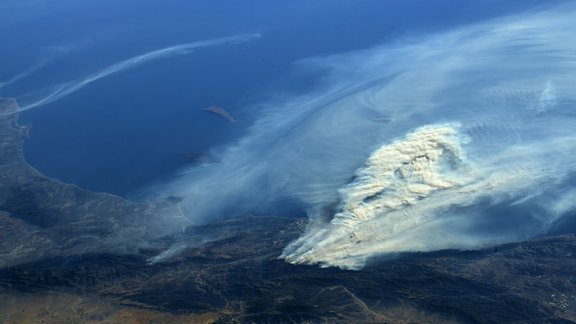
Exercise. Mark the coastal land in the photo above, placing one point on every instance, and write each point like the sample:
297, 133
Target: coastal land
68, 255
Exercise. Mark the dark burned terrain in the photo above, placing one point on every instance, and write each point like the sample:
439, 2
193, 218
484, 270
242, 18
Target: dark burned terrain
68, 255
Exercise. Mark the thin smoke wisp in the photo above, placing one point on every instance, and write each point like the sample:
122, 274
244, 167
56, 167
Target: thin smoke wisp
62, 90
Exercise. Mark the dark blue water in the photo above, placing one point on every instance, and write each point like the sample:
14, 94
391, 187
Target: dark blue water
124, 132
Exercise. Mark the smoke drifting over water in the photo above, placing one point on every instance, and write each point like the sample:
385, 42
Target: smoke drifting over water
23, 74
53, 53
477, 146
65, 89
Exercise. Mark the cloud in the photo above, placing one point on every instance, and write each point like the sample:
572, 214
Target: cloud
478, 143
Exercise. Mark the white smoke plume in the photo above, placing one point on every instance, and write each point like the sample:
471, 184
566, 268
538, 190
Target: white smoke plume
455, 140
412, 187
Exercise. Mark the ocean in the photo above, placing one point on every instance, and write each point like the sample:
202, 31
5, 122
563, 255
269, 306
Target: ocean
128, 130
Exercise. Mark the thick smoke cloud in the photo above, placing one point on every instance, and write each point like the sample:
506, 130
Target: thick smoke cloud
456, 140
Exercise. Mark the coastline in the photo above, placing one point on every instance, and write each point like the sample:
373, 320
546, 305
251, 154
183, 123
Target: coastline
42, 209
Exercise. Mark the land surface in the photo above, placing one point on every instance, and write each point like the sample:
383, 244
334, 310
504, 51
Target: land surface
68, 255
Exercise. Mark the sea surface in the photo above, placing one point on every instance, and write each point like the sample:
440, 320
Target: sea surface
128, 130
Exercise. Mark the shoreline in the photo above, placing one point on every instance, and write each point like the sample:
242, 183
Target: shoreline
40, 209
